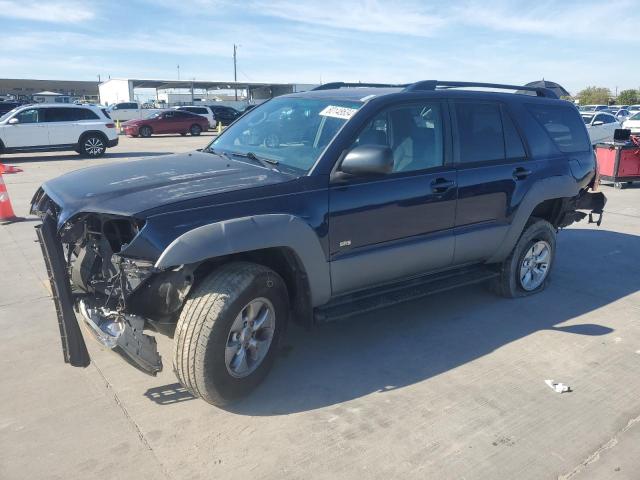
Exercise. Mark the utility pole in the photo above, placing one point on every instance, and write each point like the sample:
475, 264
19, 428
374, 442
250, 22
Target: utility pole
235, 70
178, 72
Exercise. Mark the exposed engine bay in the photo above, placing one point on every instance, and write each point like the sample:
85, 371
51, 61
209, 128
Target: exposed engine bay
117, 297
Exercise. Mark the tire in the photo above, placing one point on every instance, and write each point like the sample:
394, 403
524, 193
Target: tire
92, 145
145, 131
195, 129
202, 362
510, 284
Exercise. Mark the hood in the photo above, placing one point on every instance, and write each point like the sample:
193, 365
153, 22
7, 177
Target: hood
132, 187
135, 121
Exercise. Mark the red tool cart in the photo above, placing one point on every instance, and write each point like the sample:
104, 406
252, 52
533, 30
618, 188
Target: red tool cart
619, 162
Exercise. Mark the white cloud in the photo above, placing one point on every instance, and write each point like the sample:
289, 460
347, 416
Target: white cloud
553, 19
49, 11
375, 16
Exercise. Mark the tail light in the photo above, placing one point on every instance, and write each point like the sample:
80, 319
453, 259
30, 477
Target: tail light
111, 125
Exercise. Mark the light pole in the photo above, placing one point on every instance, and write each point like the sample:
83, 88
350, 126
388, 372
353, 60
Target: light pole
235, 70
178, 67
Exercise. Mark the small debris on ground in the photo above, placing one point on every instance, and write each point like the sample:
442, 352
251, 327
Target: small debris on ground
557, 386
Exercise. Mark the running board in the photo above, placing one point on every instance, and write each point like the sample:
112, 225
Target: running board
358, 303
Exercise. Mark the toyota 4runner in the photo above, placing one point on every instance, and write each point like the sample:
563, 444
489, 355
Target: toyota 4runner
313, 207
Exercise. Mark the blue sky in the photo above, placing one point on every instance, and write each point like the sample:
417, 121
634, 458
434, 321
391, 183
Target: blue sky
576, 43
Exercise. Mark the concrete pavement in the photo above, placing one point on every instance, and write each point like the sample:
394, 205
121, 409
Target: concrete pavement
448, 387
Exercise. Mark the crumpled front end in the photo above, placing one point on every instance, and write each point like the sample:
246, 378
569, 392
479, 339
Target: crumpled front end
116, 297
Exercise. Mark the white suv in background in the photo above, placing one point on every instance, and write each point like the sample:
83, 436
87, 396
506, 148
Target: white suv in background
46, 128
203, 111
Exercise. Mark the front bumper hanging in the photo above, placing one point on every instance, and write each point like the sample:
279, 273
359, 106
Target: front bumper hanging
74, 349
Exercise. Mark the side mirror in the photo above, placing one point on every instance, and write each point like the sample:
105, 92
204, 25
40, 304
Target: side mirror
368, 160
13, 121
598, 123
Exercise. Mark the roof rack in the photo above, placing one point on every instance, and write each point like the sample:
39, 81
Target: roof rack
334, 85
433, 84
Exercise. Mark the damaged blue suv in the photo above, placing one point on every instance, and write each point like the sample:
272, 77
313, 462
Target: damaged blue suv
313, 207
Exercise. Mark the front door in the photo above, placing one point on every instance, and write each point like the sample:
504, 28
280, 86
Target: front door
29, 132
398, 225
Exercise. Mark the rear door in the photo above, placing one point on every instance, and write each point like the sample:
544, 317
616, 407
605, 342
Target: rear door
67, 124
30, 131
394, 226
493, 169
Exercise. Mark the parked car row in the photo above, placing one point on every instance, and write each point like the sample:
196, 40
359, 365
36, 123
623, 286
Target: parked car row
215, 114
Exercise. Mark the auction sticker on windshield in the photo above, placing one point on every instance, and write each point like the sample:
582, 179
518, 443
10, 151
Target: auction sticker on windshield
335, 111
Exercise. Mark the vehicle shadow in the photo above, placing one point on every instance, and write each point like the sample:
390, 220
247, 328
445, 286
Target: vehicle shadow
410, 343
13, 159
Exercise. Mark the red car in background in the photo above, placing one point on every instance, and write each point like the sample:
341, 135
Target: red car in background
168, 121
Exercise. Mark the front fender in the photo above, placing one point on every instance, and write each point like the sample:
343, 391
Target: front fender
254, 233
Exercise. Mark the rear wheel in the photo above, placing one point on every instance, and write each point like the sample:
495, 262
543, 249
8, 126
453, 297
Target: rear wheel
195, 129
228, 331
526, 270
145, 131
92, 145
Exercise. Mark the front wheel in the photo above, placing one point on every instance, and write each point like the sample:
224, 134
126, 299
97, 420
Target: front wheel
196, 130
228, 331
526, 270
145, 132
92, 146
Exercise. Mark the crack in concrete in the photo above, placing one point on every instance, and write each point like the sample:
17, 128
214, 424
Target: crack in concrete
595, 456
130, 419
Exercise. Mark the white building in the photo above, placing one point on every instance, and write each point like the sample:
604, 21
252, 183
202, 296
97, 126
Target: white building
182, 91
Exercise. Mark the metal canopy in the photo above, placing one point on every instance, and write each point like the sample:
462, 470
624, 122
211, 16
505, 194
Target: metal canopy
166, 84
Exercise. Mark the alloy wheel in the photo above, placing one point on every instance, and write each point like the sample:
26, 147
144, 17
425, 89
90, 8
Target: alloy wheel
94, 146
534, 267
250, 337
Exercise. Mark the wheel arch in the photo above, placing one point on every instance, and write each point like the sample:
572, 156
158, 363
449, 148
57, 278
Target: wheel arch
283, 242
93, 132
547, 197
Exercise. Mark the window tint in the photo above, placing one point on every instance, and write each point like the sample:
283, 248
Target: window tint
608, 119
512, 141
181, 114
564, 126
480, 135
29, 116
86, 114
414, 134
68, 114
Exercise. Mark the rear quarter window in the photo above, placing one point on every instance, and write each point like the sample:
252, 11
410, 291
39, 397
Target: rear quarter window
564, 125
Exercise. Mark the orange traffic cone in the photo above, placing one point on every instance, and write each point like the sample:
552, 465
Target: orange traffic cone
6, 210
9, 169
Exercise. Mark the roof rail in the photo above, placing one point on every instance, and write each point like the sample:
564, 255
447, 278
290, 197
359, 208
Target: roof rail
334, 85
433, 84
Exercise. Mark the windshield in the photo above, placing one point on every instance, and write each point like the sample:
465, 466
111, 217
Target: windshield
587, 119
292, 131
9, 113
635, 116
153, 115
588, 108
